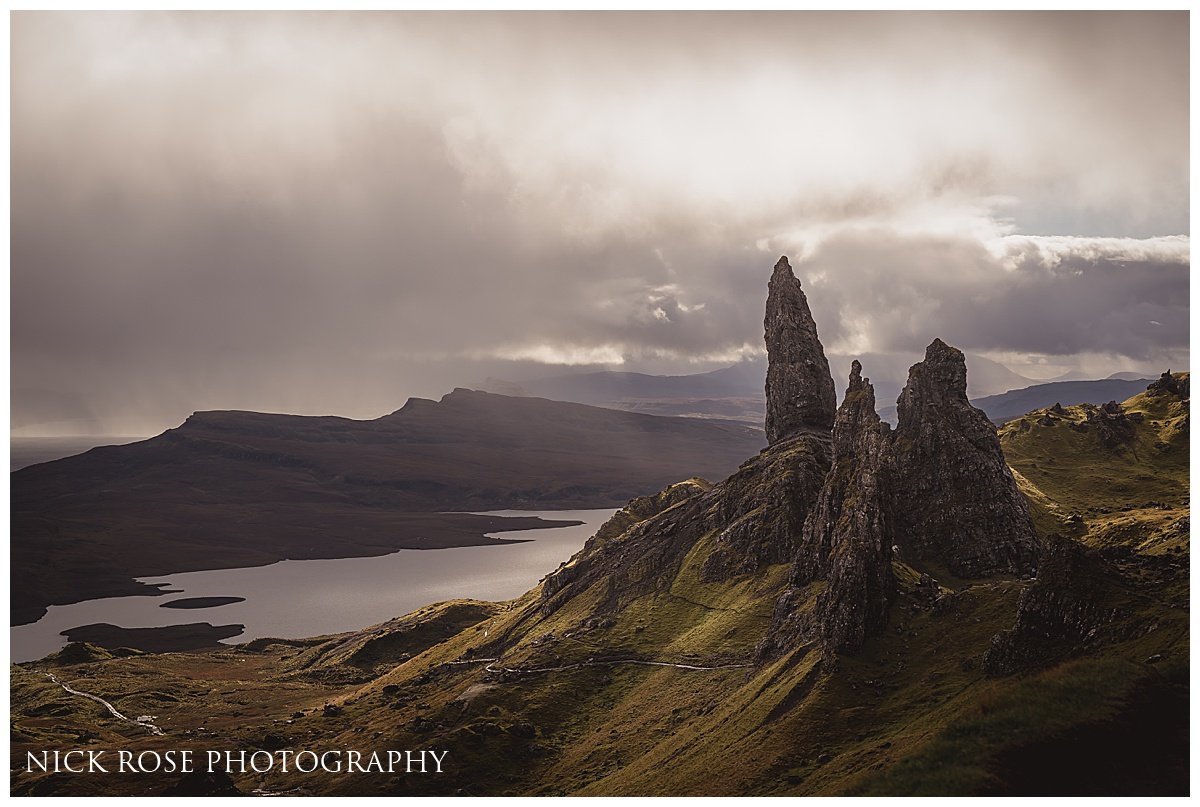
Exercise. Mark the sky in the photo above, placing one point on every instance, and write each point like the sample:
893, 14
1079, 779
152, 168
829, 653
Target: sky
327, 213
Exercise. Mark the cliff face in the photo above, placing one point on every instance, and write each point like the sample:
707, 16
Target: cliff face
800, 395
956, 502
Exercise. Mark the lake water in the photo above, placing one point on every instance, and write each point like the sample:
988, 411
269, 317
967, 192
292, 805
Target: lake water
299, 598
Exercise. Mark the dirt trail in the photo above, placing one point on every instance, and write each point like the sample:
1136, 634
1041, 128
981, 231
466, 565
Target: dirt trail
145, 721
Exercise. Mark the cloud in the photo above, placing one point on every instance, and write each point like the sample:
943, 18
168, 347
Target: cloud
330, 212
880, 290
1053, 251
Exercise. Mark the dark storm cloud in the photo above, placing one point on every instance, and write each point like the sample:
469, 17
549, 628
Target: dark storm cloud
327, 213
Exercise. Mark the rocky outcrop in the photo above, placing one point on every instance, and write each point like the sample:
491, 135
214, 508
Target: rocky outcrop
644, 507
1061, 614
756, 516
1112, 427
860, 441
637, 550
754, 519
1177, 384
761, 510
800, 394
834, 505
847, 537
955, 501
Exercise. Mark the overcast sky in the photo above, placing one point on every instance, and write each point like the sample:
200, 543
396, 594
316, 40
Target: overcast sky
327, 213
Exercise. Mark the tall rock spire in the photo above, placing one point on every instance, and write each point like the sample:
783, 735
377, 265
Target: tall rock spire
800, 395
847, 538
956, 500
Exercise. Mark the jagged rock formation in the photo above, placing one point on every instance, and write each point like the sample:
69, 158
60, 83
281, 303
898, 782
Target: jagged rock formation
938, 488
1061, 614
860, 441
646, 507
639, 559
756, 516
956, 502
800, 394
1171, 384
643, 549
847, 538
761, 510
754, 519
833, 505
1111, 426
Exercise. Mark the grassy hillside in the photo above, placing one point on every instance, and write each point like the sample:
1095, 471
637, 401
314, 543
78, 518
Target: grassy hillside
669, 695
1062, 454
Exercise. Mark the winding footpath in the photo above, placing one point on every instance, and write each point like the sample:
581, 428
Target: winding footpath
145, 721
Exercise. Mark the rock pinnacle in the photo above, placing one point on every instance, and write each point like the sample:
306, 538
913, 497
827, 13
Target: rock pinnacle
956, 500
800, 393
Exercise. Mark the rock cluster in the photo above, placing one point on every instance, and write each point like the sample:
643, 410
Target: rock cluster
1171, 384
756, 516
1111, 426
937, 489
800, 394
833, 493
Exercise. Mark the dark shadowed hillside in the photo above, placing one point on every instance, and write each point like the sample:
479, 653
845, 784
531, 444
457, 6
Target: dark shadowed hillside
230, 489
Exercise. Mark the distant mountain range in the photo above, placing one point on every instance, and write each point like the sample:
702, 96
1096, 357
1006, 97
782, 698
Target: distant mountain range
1078, 375
745, 379
1003, 408
735, 393
232, 489
1012, 404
